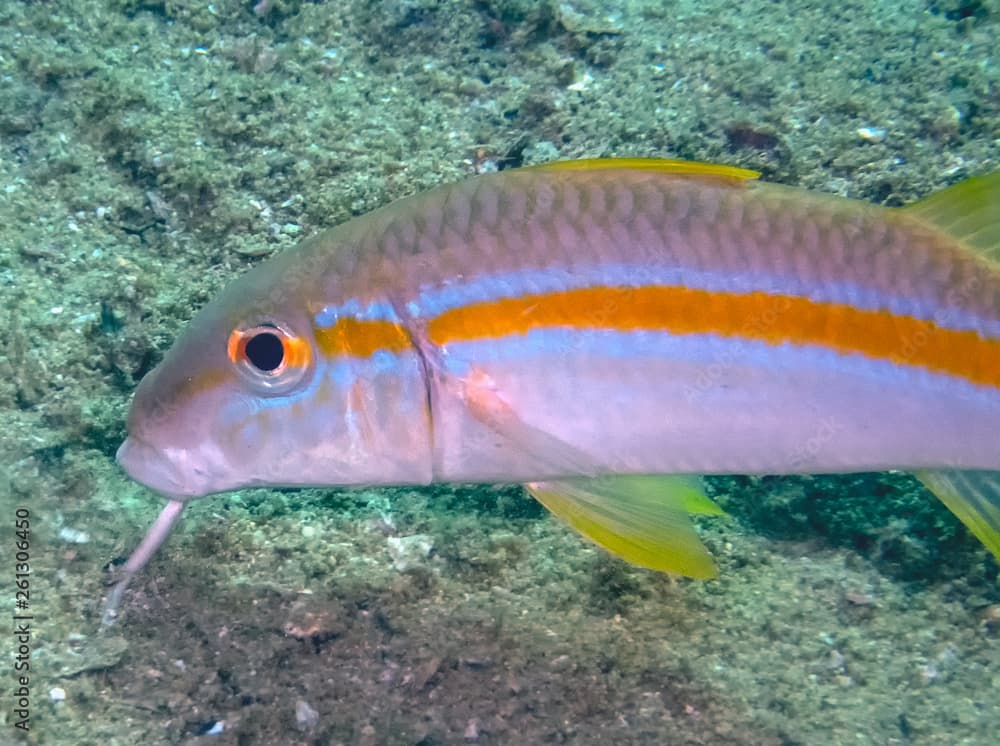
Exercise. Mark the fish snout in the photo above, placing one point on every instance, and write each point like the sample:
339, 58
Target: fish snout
153, 468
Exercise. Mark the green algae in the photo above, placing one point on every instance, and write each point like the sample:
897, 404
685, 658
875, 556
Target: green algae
151, 150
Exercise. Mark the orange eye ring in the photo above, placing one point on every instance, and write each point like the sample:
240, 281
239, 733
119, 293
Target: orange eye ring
269, 354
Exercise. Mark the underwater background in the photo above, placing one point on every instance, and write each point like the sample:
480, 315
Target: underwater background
150, 150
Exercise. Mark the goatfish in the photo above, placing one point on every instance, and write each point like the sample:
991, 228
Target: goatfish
601, 331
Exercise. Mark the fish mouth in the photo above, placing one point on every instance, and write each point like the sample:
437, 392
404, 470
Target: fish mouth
153, 468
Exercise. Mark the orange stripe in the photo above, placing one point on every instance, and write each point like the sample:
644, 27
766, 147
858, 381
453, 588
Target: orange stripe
361, 338
774, 319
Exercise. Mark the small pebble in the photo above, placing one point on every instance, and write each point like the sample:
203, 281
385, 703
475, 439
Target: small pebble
581, 83
73, 536
57, 694
991, 618
218, 729
368, 734
872, 134
472, 731
306, 718
408, 551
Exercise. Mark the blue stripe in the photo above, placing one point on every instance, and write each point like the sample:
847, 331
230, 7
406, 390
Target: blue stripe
377, 310
434, 300
713, 353
343, 372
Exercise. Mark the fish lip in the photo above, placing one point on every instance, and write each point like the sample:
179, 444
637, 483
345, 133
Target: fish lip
152, 468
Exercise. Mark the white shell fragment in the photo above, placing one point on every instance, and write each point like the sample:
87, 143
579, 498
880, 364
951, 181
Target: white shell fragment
872, 134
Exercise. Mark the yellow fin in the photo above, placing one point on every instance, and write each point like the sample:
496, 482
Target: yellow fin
973, 496
968, 211
642, 519
663, 165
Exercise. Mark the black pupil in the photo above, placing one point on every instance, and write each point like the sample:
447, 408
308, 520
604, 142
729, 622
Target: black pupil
265, 351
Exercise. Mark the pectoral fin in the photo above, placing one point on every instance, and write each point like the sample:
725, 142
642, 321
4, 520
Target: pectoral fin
487, 404
973, 496
642, 519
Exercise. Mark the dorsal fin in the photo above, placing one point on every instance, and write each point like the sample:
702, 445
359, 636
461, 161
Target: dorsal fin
663, 165
968, 212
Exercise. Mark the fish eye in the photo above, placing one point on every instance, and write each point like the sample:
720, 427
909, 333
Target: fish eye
265, 351
269, 355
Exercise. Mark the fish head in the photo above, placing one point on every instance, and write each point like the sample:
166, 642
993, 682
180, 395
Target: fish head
204, 420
